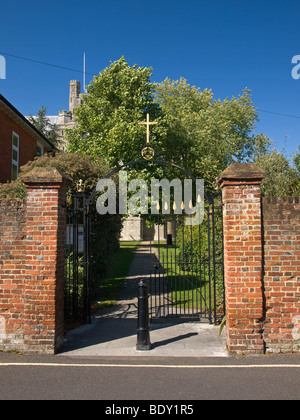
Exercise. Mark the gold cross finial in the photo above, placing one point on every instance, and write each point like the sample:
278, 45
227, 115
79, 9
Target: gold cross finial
148, 123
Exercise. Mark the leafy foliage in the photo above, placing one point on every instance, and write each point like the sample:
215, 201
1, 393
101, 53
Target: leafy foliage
14, 190
107, 121
43, 124
75, 167
204, 134
282, 179
297, 166
195, 131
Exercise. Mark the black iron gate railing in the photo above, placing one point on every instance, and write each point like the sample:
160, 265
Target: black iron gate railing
77, 258
186, 264
187, 275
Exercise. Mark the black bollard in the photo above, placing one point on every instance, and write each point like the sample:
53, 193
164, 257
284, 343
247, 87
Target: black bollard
143, 331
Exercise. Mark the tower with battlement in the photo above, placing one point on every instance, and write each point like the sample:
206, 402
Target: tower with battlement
75, 98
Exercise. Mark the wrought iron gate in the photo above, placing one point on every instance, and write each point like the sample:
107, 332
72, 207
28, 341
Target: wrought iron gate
77, 259
186, 270
187, 276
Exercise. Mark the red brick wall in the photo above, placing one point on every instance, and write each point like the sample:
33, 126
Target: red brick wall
27, 150
281, 220
243, 266
261, 257
262, 265
32, 249
44, 291
12, 273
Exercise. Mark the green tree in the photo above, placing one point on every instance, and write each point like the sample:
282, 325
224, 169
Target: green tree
43, 124
297, 166
205, 134
107, 121
195, 131
297, 160
281, 177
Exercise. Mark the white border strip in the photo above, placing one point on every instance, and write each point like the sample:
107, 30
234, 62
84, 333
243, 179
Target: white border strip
100, 365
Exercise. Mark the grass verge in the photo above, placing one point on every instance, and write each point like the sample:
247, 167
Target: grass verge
111, 286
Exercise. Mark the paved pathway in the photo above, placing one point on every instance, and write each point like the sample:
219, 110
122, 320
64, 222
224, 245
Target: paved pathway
113, 331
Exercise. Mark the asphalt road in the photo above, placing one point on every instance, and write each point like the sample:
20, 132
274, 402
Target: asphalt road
148, 379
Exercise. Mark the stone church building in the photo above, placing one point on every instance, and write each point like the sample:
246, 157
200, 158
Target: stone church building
66, 119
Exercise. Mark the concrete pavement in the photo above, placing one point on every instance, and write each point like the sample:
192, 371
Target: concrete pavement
117, 337
113, 331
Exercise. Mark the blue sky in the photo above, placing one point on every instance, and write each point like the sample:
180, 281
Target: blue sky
221, 45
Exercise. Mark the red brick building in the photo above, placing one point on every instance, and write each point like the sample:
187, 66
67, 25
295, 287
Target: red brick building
20, 141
